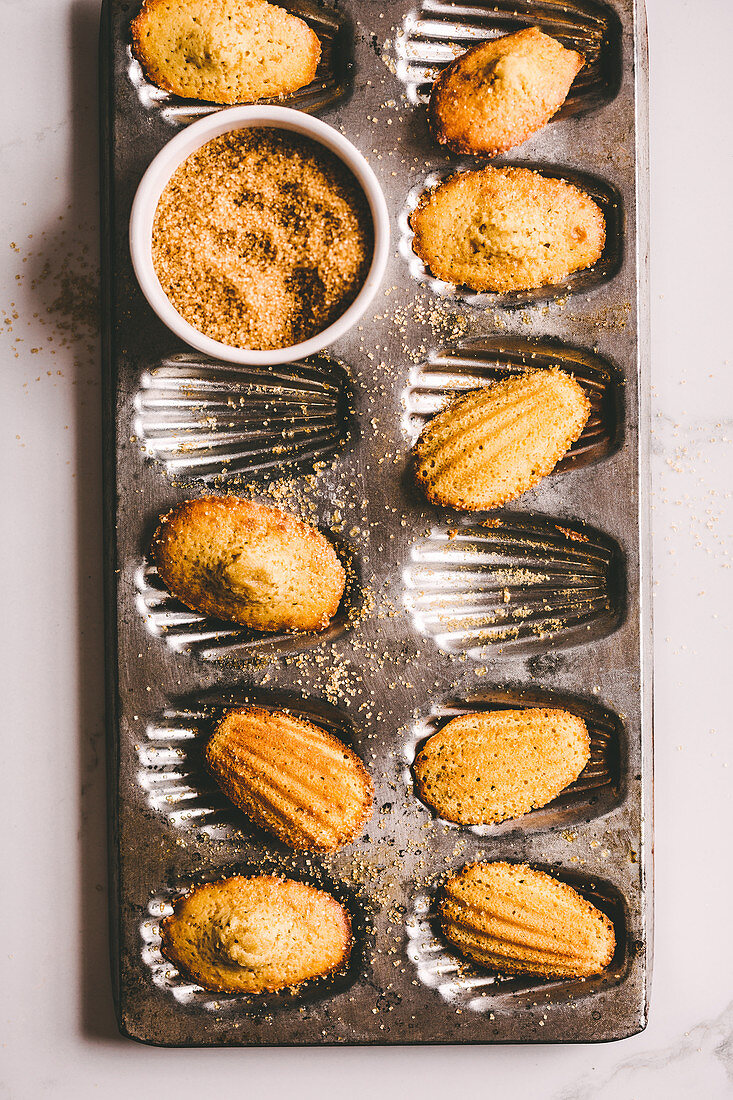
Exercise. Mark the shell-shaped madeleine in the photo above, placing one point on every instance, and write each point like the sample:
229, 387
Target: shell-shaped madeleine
488, 766
225, 52
256, 935
492, 444
517, 920
503, 229
291, 777
500, 92
249, 563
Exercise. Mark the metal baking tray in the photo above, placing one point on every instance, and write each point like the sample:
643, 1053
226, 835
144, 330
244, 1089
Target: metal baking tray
442, 612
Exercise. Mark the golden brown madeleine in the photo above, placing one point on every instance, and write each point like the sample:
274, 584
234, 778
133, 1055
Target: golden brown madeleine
485, 767
500, 92
492, 444
248, 563
224, 51
256, 935
291, 777
503, 229
517, 920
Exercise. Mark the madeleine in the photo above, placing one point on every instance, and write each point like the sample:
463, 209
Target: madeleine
291, 777
224, 51
488, 766
249, 563
492, 444
514, 919
507, 229
256, 935
499, 93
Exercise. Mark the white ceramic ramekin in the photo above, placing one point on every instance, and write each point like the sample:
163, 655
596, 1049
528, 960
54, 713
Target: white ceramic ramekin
176, 151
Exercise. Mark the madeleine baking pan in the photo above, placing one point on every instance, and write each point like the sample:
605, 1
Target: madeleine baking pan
546, 602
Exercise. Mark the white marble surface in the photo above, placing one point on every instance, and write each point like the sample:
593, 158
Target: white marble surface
57, 1035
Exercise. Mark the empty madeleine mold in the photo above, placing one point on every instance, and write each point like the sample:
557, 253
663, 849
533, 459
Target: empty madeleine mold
207, 421
514, 585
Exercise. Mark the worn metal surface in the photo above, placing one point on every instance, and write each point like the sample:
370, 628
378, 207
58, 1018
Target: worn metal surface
547, 601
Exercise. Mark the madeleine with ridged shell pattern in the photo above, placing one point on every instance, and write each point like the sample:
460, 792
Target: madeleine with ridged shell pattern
256, 935
500, 92
507, 229
249, 563
514, 919
291, 777
485, 767
490, 445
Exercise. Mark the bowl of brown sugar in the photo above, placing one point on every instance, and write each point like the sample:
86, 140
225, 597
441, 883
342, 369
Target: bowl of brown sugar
259, 235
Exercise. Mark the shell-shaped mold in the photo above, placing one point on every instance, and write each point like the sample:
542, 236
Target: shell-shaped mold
437, 32
332, 82
205, 420
172, 773
596, 791
186, 631
450, 372
514, 585
579, 282
468, 986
